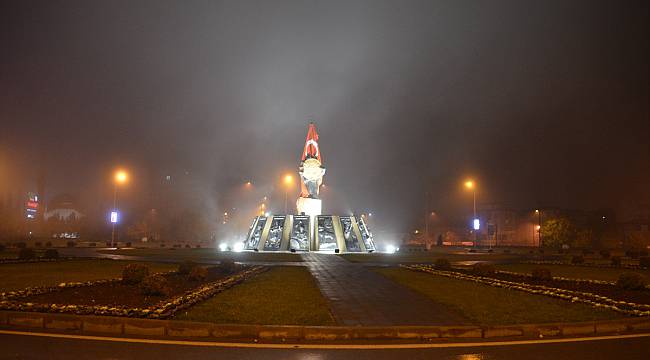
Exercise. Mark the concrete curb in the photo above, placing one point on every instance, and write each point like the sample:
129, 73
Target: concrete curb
186, 329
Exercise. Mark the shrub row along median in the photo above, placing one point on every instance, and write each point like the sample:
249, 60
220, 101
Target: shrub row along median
573, 296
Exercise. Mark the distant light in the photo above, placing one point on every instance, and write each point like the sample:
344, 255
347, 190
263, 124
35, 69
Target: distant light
225, 214
369, 214
288, 179
536, 211
469, 184
603, 218
223, 247
113, 217
267, 213
391, 249
248, 183
238, 247
121, 176
477, 224
537, 227
417, 231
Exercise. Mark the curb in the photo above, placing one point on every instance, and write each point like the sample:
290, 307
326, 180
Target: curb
187, 329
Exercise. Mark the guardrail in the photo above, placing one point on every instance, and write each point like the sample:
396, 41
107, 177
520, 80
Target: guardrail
186, 329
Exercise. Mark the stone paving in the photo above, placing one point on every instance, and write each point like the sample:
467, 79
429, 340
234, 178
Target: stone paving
360, 297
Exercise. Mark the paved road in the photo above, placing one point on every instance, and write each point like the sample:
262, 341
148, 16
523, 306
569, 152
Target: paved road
29, 347
359, 296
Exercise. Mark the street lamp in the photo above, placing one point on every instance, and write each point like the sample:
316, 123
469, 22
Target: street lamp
120, 177
288, 181
470, 185
539, 226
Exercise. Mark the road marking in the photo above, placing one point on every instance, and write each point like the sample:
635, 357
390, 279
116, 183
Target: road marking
319, 346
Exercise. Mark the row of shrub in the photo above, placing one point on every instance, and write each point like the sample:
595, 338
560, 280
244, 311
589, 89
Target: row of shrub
177, 246
644, 261
30, 254
22, 245
157, 285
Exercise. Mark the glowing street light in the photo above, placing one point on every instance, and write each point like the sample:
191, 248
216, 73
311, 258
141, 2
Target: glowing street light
120, 177
539, 227
470, 185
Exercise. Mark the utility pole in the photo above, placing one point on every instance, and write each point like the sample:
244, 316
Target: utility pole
426, 220
114, 209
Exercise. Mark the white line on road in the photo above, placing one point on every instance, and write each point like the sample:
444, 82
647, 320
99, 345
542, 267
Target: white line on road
320, 346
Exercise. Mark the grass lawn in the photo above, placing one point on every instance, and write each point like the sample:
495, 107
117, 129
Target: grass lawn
282, 295
426, 257
580, 272
205, 254
9, 254
20, 276
488, 305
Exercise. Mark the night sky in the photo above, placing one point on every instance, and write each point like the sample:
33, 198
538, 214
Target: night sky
544, 103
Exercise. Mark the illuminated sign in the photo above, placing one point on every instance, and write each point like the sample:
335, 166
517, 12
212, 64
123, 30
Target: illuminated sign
31, 206
477, 224
113, 217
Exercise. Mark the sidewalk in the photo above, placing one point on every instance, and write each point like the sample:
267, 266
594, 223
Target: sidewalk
361, 297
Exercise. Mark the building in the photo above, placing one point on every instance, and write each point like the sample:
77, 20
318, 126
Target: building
63, 218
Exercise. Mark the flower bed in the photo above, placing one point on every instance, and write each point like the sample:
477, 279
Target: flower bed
595, 300
18, 300
559, 278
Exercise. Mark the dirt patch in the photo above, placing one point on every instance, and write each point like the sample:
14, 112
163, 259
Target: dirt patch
610, 291
118, 294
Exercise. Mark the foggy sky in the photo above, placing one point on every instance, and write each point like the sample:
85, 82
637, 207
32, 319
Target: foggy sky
544, 103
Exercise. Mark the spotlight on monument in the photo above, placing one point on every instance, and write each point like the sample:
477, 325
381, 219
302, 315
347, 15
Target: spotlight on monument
223, 247
238, 247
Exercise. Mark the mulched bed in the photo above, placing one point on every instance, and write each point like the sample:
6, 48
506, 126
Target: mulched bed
610, 291
118, 294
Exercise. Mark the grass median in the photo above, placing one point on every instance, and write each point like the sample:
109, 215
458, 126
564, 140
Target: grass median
577, 272
205, 254
20, 276
486, 305
425, 257
280, 296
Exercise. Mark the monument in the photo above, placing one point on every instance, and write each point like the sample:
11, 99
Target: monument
309, 229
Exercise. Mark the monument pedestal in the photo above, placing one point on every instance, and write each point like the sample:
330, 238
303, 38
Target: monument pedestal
309, 206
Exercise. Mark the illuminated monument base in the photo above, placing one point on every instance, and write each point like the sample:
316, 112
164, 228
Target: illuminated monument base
309, 233
309, 206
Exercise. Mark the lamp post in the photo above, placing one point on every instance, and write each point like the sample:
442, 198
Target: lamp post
120, 178
539, 226
288, 180
469, 184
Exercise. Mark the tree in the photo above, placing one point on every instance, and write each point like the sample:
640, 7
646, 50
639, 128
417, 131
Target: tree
138, 230
558, 232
